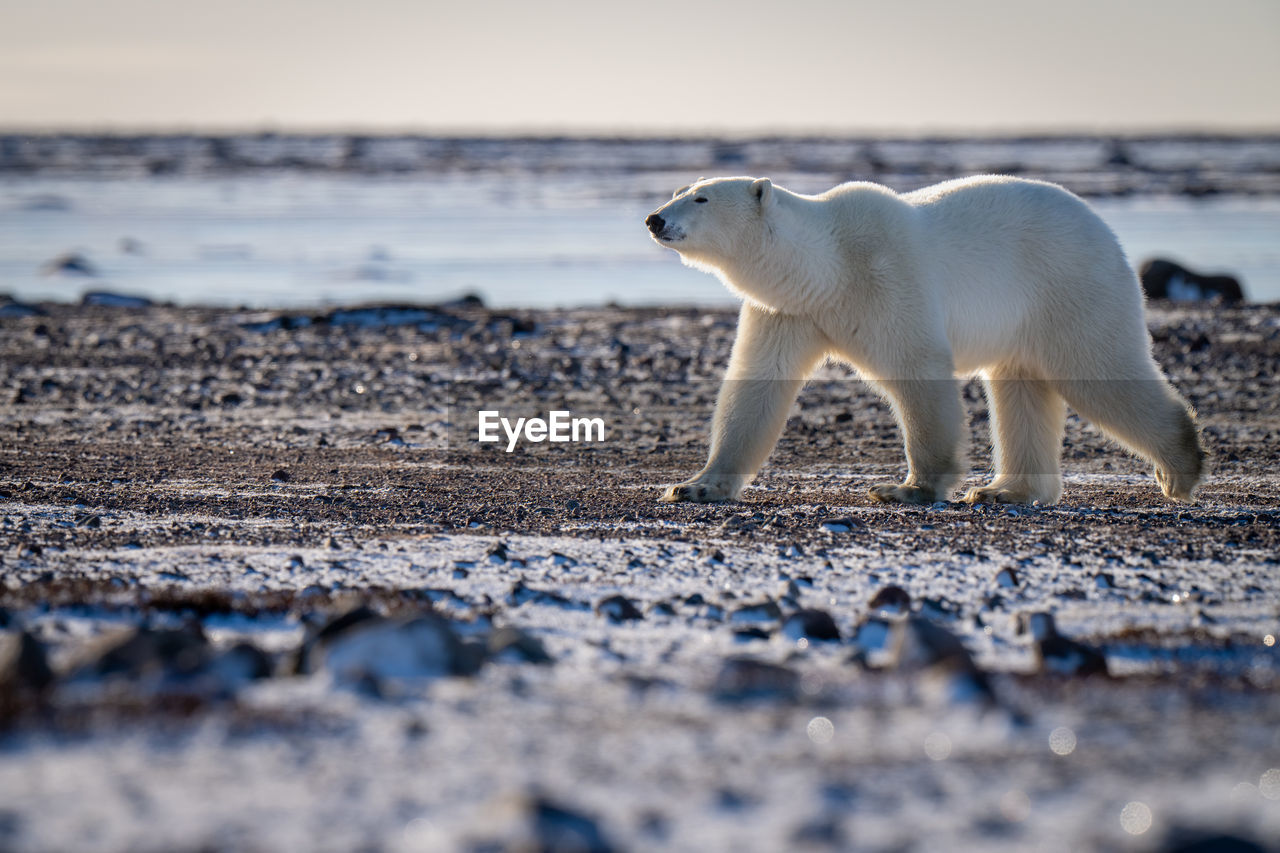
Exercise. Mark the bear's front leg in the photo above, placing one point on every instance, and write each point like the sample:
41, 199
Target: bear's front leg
772, 355
929, 413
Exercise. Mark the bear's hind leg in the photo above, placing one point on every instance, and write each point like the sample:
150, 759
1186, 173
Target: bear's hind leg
1027, 419
929, 412
1149, 418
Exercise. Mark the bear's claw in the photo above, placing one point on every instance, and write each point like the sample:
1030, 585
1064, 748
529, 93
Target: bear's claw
1004, 495
900, 493
693, 493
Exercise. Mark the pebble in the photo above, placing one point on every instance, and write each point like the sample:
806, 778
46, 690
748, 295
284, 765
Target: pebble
1058, 654
744, 679
619, 609
382, 649
662, 608
24, 664
557, 827
762, 611
750, 634
811, 624
516, 645
890, 601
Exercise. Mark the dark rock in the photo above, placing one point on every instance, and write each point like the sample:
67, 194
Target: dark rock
1061, 655
750, 634
1165, 279
619, 609
557, 827
823, 832
333, 627
812, 625
747, 679
513, 644
662, 608
24, 665
107, 299
18, 309
281, 476
1192, 841
522, 594
890, 601
761, 611
173, 652
71, 263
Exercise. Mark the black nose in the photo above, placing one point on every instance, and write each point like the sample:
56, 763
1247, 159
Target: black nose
655, 223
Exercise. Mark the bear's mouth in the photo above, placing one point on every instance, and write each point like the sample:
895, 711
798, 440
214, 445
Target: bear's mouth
669, 235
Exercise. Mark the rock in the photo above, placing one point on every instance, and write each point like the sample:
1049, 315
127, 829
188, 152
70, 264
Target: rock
843, 524
825, 833
521, 594
746, 680
890, 601
873, 643
514, 645
281, 476
9, 308
938, 608
497, 554
175, 661
24, 665
557, 827
929, 648
149, 652
619, 609
1165, 279
1006, 578
662, 608
376, 650
762, 611
107, 299
241, 663
1199, 841
332, 628
1057, 654
812, 625
751, 634
71, 263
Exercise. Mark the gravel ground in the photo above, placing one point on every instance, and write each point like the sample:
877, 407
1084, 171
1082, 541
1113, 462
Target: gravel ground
262, 590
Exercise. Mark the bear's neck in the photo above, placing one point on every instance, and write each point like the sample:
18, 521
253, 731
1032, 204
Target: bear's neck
792, 267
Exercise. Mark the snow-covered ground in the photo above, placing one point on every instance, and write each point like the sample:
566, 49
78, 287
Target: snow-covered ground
251, 600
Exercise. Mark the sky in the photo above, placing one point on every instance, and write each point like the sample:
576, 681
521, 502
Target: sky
684, 66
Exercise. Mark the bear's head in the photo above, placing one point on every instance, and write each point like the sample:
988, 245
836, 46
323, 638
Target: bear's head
713, 221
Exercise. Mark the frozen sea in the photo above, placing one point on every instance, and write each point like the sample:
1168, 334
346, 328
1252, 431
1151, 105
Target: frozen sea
528, 229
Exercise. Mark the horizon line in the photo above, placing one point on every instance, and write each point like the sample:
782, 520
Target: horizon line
635, 132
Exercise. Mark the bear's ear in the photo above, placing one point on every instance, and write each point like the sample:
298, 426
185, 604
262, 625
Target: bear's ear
681, 191
762, 189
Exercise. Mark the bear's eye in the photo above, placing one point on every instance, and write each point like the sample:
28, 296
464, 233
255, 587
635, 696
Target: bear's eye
700, 200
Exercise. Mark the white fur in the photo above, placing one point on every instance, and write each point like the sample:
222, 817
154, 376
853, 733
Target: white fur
1016, 281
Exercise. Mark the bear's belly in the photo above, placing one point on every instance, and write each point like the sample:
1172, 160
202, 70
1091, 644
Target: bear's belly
985, 332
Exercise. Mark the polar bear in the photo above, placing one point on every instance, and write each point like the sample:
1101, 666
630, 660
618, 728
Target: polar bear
1015, 281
